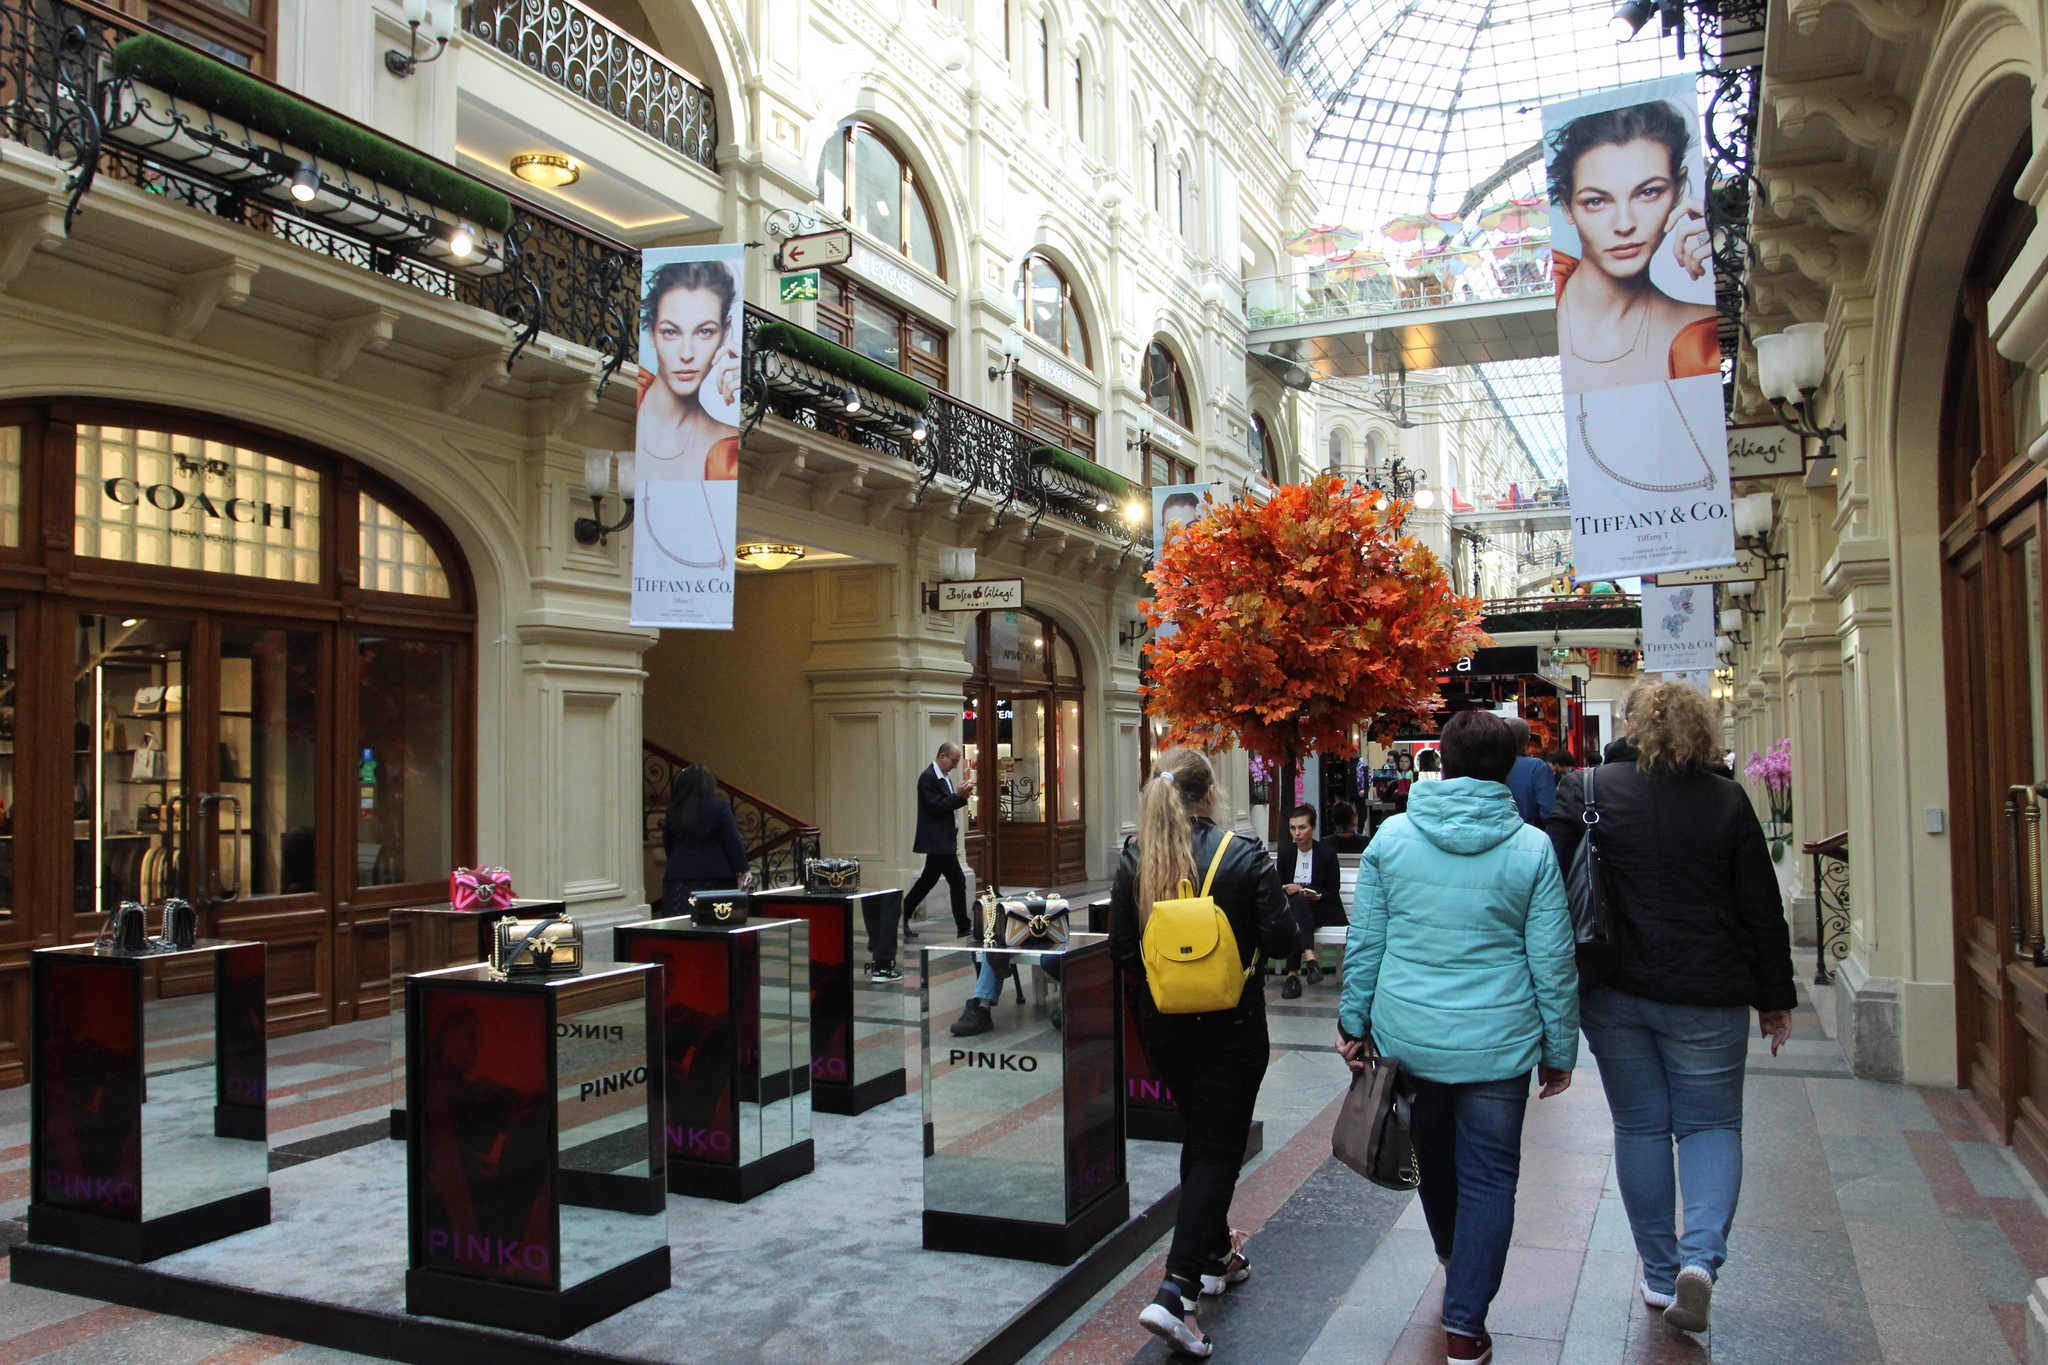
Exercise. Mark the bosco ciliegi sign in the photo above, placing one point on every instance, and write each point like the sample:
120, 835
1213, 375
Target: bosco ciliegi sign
687, 436
1637, 336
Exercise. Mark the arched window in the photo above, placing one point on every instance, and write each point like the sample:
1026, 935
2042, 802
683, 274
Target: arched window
394, 555
1259, 444
1044, 72
1152, 171
1080, 100
867, 182
1180, 200
1375, 448
1340, 449
1045, 307
1165, 392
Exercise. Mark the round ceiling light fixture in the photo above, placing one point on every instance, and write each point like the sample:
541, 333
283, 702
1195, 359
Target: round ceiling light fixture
770, 557
549, 170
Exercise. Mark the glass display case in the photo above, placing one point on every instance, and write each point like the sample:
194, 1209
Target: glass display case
426, 938
534, 1176
1024, 1125
128, 762
148, 1129
738, 1031
856, 1023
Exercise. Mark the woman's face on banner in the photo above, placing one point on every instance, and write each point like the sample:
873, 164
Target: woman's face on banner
689, 327
1622, 198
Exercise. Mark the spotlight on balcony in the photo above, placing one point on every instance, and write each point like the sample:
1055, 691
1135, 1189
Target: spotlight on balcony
852, 401
549, 170
305, 182
1102, 504
1629, 19
462, 242
920, 431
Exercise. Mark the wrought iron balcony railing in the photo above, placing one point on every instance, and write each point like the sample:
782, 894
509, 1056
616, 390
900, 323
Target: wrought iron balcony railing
965, 450
542, 273
1830, 903
596, 61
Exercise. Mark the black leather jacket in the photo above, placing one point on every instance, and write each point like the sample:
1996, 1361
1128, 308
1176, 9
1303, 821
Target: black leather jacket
1246, 889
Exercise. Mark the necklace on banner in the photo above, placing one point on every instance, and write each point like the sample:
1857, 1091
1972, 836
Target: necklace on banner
647, 524
1706, 481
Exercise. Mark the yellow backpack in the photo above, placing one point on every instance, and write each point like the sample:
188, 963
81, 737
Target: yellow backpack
1190, 951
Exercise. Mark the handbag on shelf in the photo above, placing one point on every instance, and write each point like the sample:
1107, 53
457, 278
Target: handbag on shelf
148, 764
536, 947
1590, 899
181, 927
480, 888
125, 931
149, 699
1372, 1135
720, 909
832, 876
1028, 919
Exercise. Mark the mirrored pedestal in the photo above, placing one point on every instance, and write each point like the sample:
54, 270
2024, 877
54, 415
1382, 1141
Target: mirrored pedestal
534, 1177
148, 1129
737, 1023
1024, 1125
856, 1023
426, 938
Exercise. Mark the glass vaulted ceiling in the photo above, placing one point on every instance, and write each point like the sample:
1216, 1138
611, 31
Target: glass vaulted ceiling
1435, 105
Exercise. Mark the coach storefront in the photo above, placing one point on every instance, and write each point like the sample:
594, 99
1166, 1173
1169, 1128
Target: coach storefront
237, 669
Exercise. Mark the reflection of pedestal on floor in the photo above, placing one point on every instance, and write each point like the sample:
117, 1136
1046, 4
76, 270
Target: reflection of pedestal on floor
736, 1016
426, 938
535, 1171
1024, 1133
856, 1024
149, 1133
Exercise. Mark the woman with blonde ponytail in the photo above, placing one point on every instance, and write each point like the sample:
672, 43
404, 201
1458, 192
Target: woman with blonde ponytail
1212, 1062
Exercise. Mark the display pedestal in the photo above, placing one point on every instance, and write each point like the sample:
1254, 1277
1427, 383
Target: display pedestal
426, 938
534, 1178
856, 1023
148, 1131
1024, 1125
737, 1023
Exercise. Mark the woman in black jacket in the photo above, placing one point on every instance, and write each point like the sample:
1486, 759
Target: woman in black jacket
1211, 1062
1702, 941
702, 840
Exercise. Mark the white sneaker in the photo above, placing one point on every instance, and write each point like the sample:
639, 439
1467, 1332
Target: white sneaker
1695, 1294
1651, 1298
1235, 1268
1169, 1317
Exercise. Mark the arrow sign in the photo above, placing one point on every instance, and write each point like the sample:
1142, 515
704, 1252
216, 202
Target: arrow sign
816, 249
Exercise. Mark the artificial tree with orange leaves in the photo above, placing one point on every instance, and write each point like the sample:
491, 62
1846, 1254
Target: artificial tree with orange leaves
1300, 621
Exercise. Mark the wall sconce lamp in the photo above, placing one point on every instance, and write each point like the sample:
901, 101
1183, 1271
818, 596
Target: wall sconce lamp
1134, 632
1012, 347
597, 482
438, 18
1790, 367
1752, 517
1140, 433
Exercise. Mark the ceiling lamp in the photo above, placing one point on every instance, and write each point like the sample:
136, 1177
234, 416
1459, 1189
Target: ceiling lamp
770, 557
549, 170
1629, 19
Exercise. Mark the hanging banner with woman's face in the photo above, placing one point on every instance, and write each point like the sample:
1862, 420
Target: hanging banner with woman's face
1174, 506
687, 436
1638, 338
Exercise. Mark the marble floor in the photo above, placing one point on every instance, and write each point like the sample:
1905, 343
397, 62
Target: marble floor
1879, 1226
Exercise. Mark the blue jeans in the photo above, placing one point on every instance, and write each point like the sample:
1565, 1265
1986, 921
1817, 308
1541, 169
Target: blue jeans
988, 987
1468, 1141
1673, 1073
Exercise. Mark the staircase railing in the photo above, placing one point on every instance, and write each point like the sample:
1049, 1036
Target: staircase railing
1830, 903
778, 843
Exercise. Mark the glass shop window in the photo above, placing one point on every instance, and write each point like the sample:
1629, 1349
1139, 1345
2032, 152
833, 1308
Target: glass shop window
10, 486
269, 747
180, 502
395, 556
405, 778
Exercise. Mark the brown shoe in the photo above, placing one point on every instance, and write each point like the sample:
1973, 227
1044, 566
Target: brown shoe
1460, 1349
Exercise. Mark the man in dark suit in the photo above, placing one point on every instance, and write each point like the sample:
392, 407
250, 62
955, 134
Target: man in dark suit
1308, 869
938, 835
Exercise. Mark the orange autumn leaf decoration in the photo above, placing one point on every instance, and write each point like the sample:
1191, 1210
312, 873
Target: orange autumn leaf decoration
1300, 620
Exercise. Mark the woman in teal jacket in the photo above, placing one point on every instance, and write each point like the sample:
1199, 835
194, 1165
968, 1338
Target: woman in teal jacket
1460, 967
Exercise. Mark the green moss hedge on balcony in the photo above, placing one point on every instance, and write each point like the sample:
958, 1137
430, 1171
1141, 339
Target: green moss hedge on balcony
215, 86
800, 343
1086, 470
1628, 617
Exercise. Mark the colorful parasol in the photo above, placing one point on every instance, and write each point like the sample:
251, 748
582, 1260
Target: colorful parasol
1517, 215
1327, 240
1422, 227
1354, 266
